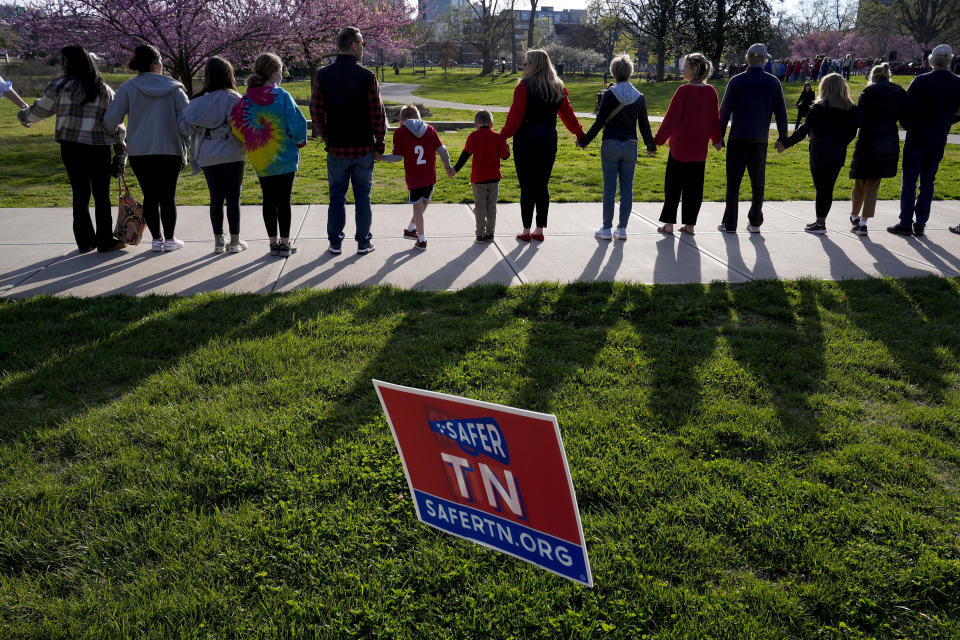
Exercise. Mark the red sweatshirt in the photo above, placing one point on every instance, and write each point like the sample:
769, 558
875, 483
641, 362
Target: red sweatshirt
519, 107
487, 148
692, 120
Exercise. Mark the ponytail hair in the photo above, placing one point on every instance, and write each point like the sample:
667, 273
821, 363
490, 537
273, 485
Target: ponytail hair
264, 67
880, 72
702, 67
144, 57
217, 75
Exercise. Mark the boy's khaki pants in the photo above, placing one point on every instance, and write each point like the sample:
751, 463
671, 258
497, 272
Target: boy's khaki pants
485, 207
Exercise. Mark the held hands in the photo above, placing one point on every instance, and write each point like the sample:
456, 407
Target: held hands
377, 156
26, 125
451, 172
718, 146
779, 147
652, 154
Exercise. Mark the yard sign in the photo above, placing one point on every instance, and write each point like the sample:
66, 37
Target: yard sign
491, 474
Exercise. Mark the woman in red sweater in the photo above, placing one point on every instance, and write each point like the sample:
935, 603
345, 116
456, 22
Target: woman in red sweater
532, 123
692, 120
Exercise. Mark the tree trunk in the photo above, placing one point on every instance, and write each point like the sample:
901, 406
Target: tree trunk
531, 23
661, 50
181, 71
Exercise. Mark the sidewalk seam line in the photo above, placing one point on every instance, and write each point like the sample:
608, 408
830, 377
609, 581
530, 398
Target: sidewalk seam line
710, 255
503, 256
276, 280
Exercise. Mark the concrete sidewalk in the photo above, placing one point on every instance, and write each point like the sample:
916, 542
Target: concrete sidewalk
40, 257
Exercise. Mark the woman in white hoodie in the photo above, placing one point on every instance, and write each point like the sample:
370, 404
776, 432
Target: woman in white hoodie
218, 152
153, 105
622, 110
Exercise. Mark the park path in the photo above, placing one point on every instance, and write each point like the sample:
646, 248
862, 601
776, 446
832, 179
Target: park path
404, 93
38, 256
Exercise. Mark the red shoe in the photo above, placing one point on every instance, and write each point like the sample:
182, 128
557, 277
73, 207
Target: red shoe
537, 236
410, 234
523, 237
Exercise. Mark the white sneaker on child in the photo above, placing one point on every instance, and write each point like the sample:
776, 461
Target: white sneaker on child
172, 244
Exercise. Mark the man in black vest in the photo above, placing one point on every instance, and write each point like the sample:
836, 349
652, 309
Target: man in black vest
348, 115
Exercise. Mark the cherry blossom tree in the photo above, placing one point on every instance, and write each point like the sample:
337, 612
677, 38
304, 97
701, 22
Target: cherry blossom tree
313, 26
816, 42
186, 32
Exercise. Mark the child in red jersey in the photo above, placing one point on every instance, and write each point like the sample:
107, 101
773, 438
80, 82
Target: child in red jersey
488, 148
415, 142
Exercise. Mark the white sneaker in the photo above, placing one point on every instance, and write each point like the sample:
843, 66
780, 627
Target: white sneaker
603, 234
722, 227
620, 234
219, 244
172, 244
237, 247
753, 229
157, 246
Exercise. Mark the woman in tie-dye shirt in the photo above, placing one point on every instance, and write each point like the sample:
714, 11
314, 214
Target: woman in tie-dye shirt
273, 129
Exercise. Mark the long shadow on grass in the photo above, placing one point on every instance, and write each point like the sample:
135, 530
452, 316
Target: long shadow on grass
912, 318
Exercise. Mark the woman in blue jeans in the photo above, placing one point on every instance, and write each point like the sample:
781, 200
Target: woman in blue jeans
622, 109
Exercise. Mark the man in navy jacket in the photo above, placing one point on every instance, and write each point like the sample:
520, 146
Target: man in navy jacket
938, 94
750, 98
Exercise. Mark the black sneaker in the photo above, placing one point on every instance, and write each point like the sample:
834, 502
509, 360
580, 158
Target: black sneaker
900, 230
335, 249
365, 247
285, 250
918, 231
816, 227
481, 239
860, 231
488, 237
854, 220
274, 249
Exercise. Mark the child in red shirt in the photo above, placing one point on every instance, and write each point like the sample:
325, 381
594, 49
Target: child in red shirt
415, 142
488, 148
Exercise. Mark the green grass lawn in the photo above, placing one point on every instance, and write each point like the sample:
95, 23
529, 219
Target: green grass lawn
470, 87
767, 460
32, 174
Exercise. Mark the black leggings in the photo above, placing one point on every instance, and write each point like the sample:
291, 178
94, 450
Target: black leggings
224, 182
534, 152
824, 179
158, 177
686, 179
276, 203
88, 168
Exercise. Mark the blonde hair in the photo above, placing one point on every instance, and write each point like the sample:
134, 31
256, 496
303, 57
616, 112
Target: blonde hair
410, 112
483, 117
264, 67
879, 72
834, 92
542, 76
703, 67
621, 68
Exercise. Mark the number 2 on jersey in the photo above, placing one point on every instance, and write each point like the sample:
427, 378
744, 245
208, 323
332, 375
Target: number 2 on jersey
419, 151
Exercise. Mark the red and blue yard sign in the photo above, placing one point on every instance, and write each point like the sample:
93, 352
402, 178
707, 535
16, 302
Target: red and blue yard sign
491, 474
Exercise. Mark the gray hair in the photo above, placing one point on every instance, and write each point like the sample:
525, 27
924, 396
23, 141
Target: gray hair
941, 60
621, 68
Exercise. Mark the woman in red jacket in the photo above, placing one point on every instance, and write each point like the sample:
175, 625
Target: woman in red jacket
532, 123
692, 121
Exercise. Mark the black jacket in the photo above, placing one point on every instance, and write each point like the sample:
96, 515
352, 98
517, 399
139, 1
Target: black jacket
624, 124
877, 152
830, 131
345, 85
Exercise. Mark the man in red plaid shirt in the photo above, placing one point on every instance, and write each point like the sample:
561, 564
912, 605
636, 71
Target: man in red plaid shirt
348, 115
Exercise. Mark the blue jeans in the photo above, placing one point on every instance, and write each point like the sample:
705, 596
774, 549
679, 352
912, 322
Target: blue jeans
340, 172
917, 164
618, 159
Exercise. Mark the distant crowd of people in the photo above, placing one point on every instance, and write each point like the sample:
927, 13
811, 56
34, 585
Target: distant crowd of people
219, 130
